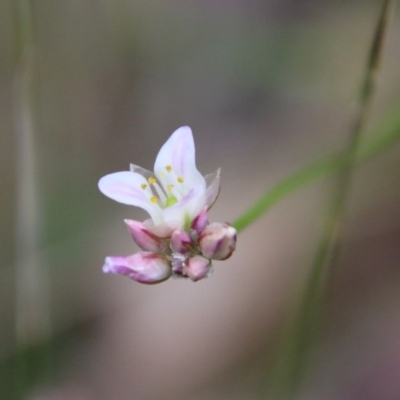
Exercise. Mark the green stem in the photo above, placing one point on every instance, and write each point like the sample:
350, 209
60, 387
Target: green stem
356, 152
32, 313
306, 328
367, 149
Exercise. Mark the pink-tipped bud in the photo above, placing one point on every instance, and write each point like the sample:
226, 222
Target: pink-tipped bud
197, 268
218, 241
181, 242
144, 238
200, 222
143, 267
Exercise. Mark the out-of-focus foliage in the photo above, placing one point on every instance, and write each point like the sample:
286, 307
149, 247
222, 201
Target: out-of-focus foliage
267, 87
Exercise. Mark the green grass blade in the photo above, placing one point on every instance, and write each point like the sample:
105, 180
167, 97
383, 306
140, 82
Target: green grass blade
387, 136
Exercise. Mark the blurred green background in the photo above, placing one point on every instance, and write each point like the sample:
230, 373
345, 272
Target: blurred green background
267, 86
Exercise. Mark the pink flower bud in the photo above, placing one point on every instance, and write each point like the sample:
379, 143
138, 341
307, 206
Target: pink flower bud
218, 241
143, 267
144, 238
181, 242
200, 222
197, 268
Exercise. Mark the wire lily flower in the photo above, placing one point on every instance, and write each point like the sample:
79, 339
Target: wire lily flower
177, 198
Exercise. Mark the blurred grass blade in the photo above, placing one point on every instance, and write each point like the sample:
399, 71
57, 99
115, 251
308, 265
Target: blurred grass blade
356, 152
387, 136
32, 306
302, 338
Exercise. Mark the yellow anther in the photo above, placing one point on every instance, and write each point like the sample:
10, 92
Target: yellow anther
180, 179
152, 180
143, 186
168, 168
161, 174
169, 187
153, 199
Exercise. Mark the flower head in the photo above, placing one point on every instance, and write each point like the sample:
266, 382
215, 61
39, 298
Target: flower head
177, 198
174, 194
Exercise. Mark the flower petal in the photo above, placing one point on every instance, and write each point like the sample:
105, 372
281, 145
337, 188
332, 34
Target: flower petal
141, 171
187, 208
125, 187
145, 239
178, 152
213, 182
143, 267
163, 230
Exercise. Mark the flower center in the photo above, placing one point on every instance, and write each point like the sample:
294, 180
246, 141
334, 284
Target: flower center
168, 190
171, 200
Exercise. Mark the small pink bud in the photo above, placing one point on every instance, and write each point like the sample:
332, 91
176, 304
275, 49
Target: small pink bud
200, 222
143, 267
218, 241
144, 238
197, 268
181, 242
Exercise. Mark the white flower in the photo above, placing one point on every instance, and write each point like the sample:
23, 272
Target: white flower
178, 240
175, 194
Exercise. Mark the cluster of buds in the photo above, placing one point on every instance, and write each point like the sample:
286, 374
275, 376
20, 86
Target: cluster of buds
178, 240
186, 254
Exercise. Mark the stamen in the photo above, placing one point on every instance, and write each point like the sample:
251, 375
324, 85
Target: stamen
171, 192
168, 184
161, 175
180, 179
160, 193
143, 186
154, 199
157, 188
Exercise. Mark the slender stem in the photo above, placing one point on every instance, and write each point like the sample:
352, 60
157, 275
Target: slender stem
308, 319
356, 152
32, 317
387, 136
